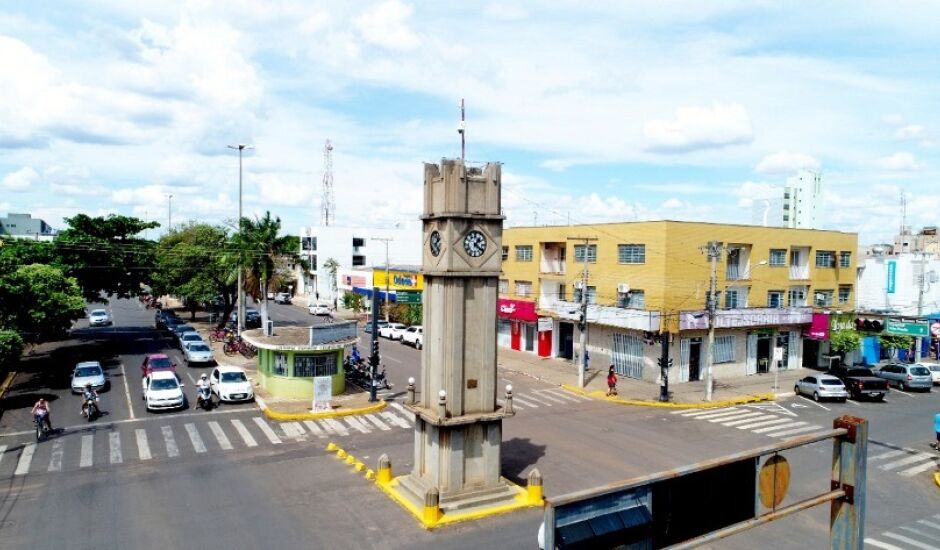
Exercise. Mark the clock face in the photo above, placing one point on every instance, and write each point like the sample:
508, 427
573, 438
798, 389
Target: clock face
435, 243
474, 243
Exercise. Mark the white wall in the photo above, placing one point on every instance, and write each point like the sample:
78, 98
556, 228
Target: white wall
871, 286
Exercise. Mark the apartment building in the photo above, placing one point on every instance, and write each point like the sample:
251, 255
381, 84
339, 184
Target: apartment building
647, 285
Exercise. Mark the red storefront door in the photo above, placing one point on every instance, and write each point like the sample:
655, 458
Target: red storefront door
515, 333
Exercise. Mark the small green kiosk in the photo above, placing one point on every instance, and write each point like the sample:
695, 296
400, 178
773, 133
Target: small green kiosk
289, 358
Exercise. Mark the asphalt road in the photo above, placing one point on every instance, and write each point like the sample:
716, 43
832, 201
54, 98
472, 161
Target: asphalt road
229, 478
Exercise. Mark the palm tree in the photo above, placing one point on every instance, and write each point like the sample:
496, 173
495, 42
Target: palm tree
259, 251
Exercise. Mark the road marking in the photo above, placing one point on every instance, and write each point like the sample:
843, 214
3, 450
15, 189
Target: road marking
515, 404
761, 424
408, 414
26, 457
524, 403
728, 413
337, 427
530, 397
87, 455
191, 379
700, 412
143, 447
795, 431
560, 393
392, 359
773, 428
357, 424
905, 461
552, 398
329, 429
378, 423
929, 524
267, 431
127, 392
854, 402
917, 531
220, 435
294, 431
910, 541
114, 442
889, 454
737, 415
394, 419
198, 445
244, 433
171, 449
899, 390
884, 545
3, 449
744, 418
316, 430
55, 461
815, 403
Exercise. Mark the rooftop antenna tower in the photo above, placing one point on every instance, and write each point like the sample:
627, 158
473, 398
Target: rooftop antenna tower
328, 202
903, 213
461, 129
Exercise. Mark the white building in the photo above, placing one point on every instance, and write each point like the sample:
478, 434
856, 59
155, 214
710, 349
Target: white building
24, 226
802, 200
352, 247
903, 285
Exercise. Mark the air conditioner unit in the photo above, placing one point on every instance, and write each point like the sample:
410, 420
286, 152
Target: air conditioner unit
623, 288
578, 285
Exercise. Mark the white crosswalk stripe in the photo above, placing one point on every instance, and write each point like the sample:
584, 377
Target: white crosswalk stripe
905, 461
338, 428
143, 447
516, 400
537, 399
294, 431
910, 541
777, 428
929, 465
549, 396
198, 445
401, 408
26, 458
700, 412
395, 419
220, 436
796, 431
87, 456
889, 454
357, 424
378, 423
267, 431
742, 419
930, 524
3, 450
171, 449
244, 433
314, 428
720, 414
114, 443
922, 533
879, 544
737, 415
326, 427
55, 460
763, 423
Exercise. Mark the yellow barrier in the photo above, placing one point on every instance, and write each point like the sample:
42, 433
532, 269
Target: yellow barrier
602, 396
294, 417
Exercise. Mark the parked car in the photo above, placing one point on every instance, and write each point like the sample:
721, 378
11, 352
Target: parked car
368, 328
190, 337
156, 362
162, 390
934, 371
413, 336
231, 384
252, 317
860, 382
282, 298
319, 308
99, 318
197, 352
822, 387
392, 331
88, 372
906, 376
171, 321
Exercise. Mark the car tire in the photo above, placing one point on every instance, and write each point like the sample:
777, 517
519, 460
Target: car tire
796, 390
902, 386
418, 345
881, 397
816, 396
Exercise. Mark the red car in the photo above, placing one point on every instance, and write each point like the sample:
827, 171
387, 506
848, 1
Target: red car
156, 362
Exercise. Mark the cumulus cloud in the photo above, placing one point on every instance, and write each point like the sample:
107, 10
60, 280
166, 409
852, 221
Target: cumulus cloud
699, 128
785, 163
911, 132
899, 161
21, 180
751, 192
386, 25
505, 12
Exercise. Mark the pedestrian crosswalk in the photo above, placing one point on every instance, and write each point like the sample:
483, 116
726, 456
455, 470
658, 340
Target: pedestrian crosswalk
544, 398
922, 534
905, 461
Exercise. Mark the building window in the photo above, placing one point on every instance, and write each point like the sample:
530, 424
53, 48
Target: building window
524, 253
359, 261
844, 293
634, 299
308, 243
627, 354
591, 253
591, 295
845, 259
778, 257
313, 262
631, 253
279, 367
822, 298
309, 366
825, 258
562, 292
775, 298
504, 286
524, 288
796, 297
505, 253
358, 241
724, 349
735, 298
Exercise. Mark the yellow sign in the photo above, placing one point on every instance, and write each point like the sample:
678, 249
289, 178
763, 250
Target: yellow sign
398, 280
773, 481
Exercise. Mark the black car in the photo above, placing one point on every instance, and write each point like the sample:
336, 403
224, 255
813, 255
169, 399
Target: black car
252, 317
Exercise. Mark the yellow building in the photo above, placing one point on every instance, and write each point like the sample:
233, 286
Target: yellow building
647, 280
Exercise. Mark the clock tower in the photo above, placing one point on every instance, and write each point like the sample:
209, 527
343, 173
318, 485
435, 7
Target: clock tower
458, 421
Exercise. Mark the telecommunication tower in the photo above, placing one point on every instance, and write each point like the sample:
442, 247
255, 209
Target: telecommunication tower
328, 202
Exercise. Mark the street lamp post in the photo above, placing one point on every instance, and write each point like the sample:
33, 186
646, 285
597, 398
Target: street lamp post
241, 275
386, 240
169, 212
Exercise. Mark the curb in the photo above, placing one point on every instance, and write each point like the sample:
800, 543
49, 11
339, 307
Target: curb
601, 396
293, 417
7, 382
936, 478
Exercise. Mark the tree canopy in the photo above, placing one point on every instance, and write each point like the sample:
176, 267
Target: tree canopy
39, 302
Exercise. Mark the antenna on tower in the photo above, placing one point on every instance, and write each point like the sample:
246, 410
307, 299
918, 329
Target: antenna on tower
903, 213
461, 129
327, 203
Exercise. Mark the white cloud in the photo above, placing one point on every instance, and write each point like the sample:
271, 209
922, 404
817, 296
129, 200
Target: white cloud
785, 163
386, 25
899, 161
21, 180
699, 128
505, 12
750, 192
892, 119
911, 132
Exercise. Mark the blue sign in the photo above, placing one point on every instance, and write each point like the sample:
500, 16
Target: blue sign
892, 270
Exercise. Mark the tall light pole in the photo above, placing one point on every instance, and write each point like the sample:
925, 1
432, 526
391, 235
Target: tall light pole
386, 241
582, 325
169, 212
713, 250
241, 275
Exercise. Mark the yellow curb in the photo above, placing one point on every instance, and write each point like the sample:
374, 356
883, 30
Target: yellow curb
332, 447
350, 459
293, 417
602, 396
7, 382
359, 466
340, 454
370, 474
936, 478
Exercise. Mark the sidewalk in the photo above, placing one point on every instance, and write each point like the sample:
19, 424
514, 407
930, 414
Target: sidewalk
563, 373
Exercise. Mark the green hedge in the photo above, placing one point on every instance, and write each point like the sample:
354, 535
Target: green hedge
11, 346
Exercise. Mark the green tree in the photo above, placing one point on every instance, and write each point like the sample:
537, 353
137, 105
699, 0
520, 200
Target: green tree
332, 267
408, 314
11, 346
39, 302
106, 255
845, 341
190, 264
895, 341
354, 302
16, 253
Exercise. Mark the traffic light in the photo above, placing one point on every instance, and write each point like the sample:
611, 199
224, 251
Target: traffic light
374, 357
581, 321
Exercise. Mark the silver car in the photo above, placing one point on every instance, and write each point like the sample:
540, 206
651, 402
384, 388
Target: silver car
88, 372
197, 352
906, 376
821, 387
934, 371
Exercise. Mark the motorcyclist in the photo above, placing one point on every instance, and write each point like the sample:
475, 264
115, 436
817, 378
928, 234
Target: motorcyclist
42, 412
202, 387
89, 394
355, 356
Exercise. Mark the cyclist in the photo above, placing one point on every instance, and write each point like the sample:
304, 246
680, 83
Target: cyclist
41, 412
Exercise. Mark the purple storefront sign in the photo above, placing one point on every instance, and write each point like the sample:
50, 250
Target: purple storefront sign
818, 327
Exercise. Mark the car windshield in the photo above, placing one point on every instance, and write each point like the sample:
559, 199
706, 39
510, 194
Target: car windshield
830, 382
164, 384
920, 371
234, 377
159, 363
82, 372
99, 313
180, 329
192, 336
199, 347
935, 368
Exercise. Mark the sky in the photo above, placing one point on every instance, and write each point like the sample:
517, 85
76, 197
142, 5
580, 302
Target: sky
599, 111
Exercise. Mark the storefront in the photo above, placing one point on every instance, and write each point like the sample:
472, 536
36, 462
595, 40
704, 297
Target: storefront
520, 327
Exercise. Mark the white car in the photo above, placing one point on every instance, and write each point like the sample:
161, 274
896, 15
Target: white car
162, 390
231, 384
392, 331
413, 336
319, 308
934, 371
197, 352
88, 372
191, 337
99, 318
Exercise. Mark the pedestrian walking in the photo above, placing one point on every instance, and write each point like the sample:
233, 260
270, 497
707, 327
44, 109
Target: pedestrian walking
936, 428
612, 382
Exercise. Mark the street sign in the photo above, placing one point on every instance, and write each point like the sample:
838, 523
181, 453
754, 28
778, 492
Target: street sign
902, 328
322, 393
408, 297
545, 324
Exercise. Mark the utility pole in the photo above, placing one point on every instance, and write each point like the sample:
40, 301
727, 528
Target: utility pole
169, 212
664, 363
582, 323
713, 249
385, 240
241, 274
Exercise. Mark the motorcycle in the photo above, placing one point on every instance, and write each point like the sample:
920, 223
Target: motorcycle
382, 381
90, 409
42, 429
204, 398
